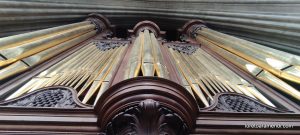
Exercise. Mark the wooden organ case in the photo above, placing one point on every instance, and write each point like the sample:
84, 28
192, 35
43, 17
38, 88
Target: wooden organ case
81, 79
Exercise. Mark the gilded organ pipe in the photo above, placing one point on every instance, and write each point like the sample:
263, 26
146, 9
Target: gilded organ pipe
90, 70
207, 76
265, 63
146, 57
20, 52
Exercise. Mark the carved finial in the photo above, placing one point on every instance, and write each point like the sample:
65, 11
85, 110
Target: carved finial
149, 25
190, 28
101, 22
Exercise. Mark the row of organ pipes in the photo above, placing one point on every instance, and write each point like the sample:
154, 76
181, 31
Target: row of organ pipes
267, 64
91, 69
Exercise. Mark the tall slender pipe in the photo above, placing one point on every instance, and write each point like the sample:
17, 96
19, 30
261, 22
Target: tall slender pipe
266, 64
20, 52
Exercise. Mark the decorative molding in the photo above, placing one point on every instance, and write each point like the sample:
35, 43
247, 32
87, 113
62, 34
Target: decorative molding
105, 45
234, 102
137, 99
49, 97
194, 28
101, 23
190, 28
183, 47
149, 25
147, 118
224, 123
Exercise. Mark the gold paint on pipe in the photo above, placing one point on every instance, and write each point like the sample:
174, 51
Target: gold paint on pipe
203, 83
23, 89
259, 96
16, 53
252, 90
134, 62
244, 89
190, 80
215, 67
253, 69
106, 81
59, 78
181, 76
267, 51
89, 71
46, 75
104, 86
147, 57
263, 57
17, 40
194, 74
158, 58
201, 73
101, 77
279, 84
64, 74
46, 54
13, 69
50, 72
99, 71
216, 84
220, 70
81, 69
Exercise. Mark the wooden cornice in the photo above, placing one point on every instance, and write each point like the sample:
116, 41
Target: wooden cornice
247, 123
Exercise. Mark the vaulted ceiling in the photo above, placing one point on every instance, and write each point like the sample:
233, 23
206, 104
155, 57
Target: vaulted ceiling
273, 23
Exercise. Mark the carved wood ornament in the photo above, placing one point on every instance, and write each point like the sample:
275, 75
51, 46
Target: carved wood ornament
147, 118
146, 105
183, 47
52, 97
104, 45
234, 102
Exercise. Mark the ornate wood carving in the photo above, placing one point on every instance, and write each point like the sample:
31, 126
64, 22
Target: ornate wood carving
147, 118
101, 22
146, 105
189, 30
54, 97
183, 47
234, 102
149, 25
104, 45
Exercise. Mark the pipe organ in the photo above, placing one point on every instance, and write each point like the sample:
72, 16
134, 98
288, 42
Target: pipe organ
144, 79
265, 63
206, 76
